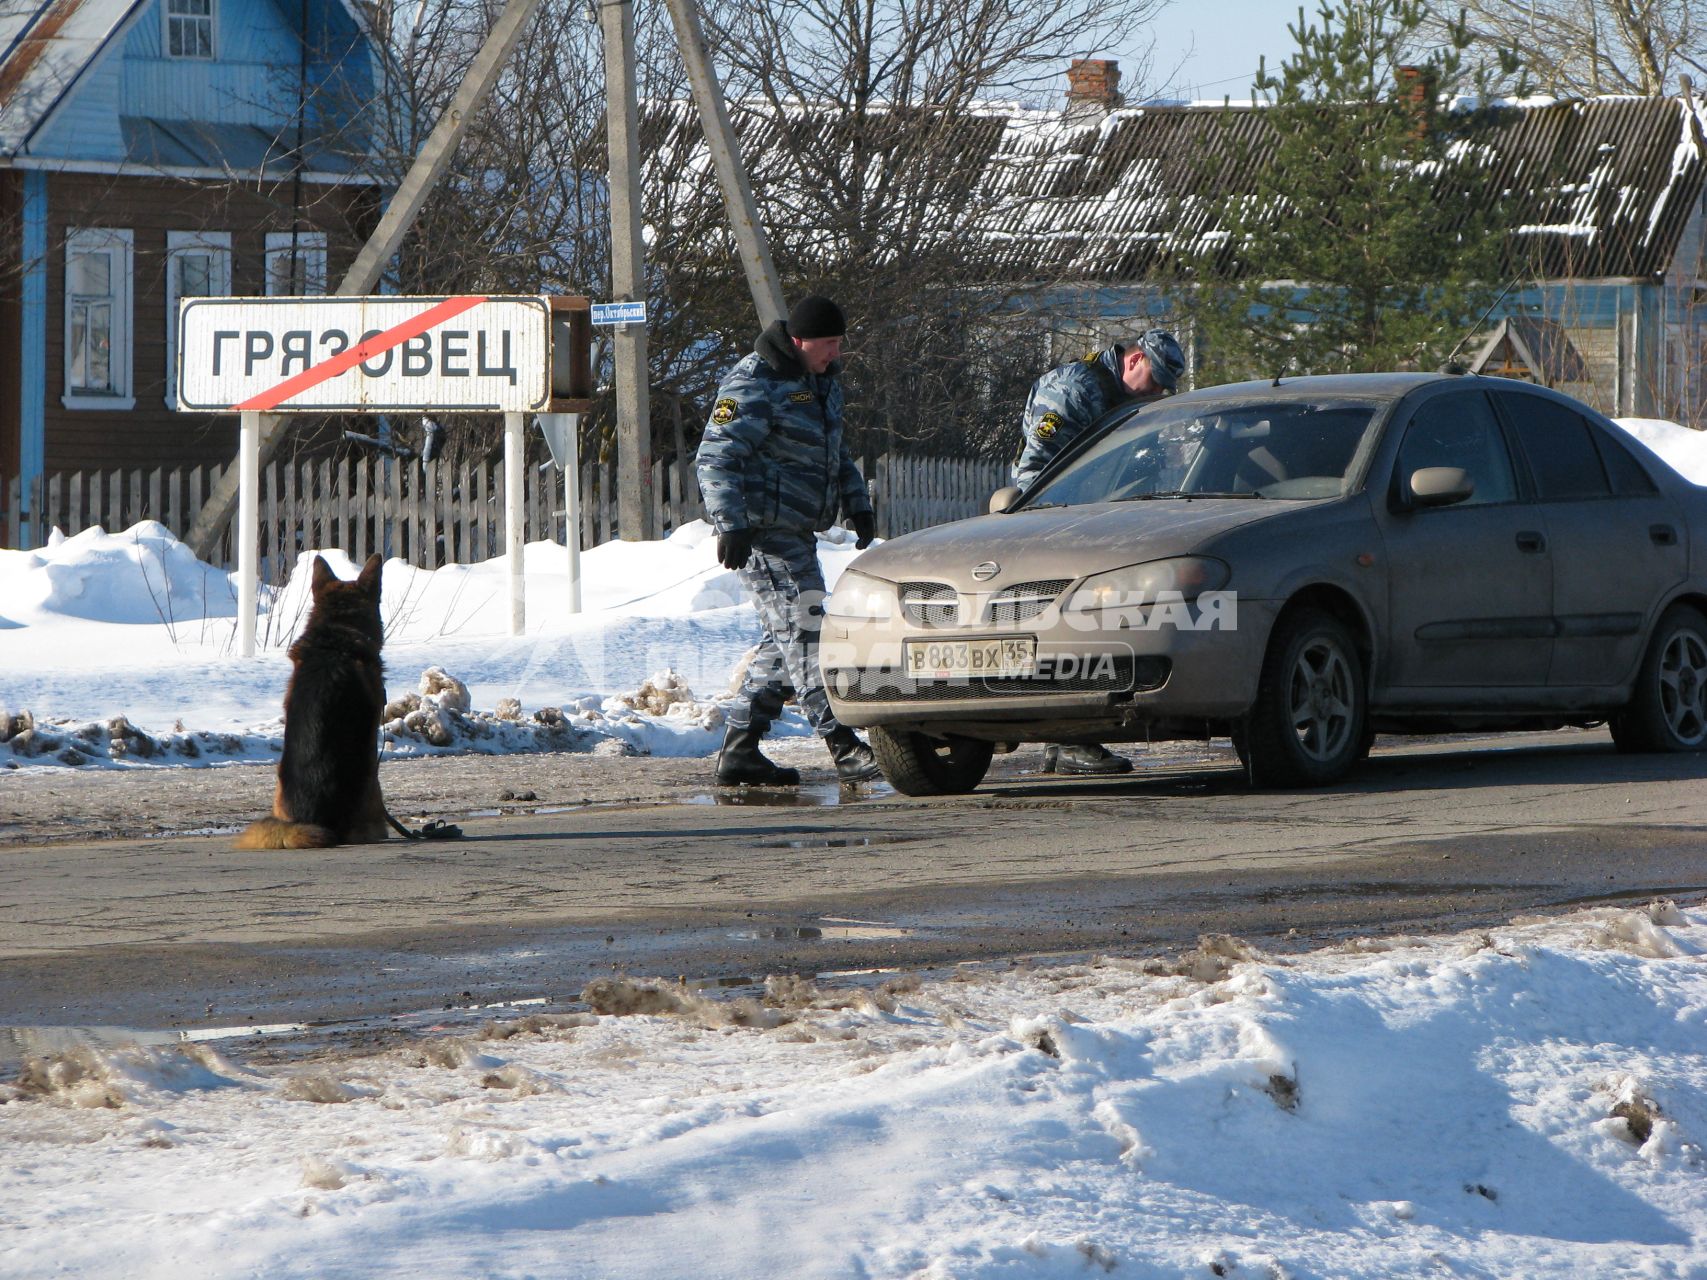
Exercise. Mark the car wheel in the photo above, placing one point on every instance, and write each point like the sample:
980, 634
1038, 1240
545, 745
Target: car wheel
1668, 709
1306, 727
919, 765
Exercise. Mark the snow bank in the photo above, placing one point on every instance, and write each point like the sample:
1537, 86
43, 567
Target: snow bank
1530, 1101
119, 650
1683, 449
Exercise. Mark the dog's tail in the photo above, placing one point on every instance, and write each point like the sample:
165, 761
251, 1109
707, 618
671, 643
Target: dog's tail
276, 833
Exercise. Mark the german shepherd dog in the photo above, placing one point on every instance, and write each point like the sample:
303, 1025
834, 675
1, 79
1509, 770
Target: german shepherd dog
328, 789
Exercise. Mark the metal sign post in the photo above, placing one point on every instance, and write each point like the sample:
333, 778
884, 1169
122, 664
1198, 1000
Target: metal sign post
562, 433
474, 354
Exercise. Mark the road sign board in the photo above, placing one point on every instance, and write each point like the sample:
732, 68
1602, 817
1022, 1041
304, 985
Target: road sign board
364, 355
619, 312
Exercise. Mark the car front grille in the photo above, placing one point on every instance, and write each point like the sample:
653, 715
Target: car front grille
930, 604
1025, 601
1119, 674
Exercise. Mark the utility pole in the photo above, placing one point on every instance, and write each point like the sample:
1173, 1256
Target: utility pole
399, 216
726, 156
627, 273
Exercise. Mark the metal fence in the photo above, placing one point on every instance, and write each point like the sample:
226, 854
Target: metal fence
433, 514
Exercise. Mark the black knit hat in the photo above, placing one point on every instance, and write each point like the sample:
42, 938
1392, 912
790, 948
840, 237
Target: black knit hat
815, 316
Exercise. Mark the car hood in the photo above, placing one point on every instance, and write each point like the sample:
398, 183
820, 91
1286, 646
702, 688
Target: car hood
1062, 542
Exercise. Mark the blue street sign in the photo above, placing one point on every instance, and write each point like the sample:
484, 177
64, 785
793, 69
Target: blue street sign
619, 312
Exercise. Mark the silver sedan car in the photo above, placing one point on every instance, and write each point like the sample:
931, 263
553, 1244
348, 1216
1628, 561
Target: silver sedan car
1297, 565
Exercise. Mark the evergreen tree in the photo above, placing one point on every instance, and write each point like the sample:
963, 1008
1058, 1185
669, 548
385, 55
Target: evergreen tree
1363, 231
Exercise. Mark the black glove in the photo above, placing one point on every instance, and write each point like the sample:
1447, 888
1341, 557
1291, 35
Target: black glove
734, 548
865, 529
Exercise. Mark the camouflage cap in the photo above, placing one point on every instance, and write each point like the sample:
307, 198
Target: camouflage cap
1167, 361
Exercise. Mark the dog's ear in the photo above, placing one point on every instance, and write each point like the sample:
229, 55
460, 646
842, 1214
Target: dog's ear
322, 576
368, 579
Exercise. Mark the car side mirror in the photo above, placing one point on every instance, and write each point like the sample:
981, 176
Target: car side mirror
1003, 499
1440, 486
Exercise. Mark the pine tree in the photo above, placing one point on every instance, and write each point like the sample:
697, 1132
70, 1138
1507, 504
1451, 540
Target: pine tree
1366, 232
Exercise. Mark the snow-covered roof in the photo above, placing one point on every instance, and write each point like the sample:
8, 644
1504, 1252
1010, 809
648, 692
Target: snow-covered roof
1603, 187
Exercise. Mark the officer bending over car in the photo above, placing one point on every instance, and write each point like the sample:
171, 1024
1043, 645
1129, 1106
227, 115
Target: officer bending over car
1063, 404
773, 470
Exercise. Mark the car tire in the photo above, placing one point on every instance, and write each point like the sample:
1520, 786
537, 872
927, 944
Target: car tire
1667, 710
1307, 725
916, 764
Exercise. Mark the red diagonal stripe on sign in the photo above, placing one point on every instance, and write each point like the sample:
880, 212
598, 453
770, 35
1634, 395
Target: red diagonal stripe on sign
367, 349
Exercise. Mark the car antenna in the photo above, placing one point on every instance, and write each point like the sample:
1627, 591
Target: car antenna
1450, 364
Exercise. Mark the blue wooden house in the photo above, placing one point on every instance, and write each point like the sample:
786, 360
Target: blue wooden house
152, 150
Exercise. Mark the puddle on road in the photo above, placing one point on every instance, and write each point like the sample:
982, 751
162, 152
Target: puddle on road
829, 929
19, 1044
806, 794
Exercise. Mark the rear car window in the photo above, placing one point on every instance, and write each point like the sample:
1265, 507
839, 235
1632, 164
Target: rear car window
1559, 449
1628, 477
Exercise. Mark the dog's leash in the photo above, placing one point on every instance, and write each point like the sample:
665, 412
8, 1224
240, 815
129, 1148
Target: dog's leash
437, 829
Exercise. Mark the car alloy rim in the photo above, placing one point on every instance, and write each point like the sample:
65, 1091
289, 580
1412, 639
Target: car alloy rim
1683, 685
1319, 699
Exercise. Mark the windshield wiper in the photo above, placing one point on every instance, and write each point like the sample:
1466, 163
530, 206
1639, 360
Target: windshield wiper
1181, 493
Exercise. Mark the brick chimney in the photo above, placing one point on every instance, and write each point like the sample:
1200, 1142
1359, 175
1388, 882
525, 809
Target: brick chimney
1413, 90
1093, 87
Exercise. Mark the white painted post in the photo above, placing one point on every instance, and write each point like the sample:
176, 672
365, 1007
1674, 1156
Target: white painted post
572, 508
514, 521
248, 527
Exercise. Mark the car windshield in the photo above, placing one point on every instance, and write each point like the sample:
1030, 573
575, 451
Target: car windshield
1284, 449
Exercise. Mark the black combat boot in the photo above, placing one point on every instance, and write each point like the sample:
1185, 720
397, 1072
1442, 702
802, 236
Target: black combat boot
854, 761
741, 764
1090, 759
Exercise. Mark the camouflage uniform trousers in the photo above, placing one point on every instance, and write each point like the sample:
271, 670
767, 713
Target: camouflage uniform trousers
784, 569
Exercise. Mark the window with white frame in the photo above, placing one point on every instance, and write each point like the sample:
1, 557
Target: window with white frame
98, 318
296, 263
189, 28
198, 265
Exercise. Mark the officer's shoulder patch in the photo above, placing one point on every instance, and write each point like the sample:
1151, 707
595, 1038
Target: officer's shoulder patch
802, 397
724, 411
1091, 357
1047, 424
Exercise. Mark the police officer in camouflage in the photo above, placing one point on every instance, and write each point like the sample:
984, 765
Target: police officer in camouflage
773, 470
1063, 404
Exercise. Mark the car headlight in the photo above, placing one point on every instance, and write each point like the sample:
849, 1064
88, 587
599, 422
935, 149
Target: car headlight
1182, 578
861, 596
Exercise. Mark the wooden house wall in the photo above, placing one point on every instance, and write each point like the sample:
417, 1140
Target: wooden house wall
150, 434
11, 356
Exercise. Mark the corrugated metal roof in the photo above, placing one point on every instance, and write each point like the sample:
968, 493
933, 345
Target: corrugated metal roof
241, 148
1602, 188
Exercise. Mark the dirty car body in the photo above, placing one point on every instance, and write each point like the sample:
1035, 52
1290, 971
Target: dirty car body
1297, 565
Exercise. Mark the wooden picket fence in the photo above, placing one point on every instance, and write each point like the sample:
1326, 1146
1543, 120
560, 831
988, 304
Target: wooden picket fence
434, 514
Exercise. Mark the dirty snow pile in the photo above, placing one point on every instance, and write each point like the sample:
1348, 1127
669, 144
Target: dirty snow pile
120, 650
1530, 1101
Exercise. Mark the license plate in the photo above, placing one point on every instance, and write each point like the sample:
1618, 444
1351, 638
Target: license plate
961, 659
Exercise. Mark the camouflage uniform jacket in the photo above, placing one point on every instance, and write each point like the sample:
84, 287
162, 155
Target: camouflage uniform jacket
772, 456
1063, 403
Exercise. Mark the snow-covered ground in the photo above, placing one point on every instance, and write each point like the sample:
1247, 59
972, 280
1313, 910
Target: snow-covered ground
1526, 1102
100, 627
1530, 1101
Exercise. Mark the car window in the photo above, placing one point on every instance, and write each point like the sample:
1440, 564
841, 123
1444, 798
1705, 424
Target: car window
1460, 430
1627, 475
1561, 455
1286, 449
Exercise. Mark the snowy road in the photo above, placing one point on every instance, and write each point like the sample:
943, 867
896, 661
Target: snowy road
184, 932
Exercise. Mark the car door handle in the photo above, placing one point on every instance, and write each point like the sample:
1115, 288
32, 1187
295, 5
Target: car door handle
1529, 540
1663, 535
